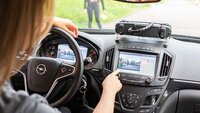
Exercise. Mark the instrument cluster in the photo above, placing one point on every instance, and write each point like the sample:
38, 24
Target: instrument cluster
57, 47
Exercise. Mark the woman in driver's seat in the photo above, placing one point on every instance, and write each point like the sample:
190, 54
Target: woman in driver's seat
22, 24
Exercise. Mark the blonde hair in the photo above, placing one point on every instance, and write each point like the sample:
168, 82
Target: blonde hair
22, 23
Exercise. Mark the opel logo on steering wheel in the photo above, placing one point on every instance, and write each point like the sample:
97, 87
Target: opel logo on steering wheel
41, 69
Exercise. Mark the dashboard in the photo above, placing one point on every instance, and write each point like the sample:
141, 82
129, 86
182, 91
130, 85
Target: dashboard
144, 65
149, 73
55, 46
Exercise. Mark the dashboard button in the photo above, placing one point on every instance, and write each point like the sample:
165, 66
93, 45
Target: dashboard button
148, 49
161, 79
138, 47
137, 76
130, 100
123, 75
143, 77
141, 111
133, 47
151, 49
143, 48
156, 90
145, 110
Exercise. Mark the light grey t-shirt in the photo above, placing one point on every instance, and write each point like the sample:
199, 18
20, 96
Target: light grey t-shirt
20, 102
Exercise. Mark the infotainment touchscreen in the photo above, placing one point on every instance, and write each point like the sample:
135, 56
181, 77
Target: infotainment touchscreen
137, 63
64, 52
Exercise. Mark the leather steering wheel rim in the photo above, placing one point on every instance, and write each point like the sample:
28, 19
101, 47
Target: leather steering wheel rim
79, 63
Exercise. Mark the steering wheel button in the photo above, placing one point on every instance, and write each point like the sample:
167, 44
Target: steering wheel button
148, 110
141, 111
123, 95
136, 101
131, 107
127, 105
69, 70
63, 69
124, 100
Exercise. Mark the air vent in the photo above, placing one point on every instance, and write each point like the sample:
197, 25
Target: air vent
108, 59
166, 64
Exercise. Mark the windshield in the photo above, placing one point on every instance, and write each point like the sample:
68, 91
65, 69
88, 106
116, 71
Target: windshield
182, 15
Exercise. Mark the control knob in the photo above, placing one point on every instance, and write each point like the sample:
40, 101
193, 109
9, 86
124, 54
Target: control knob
148, 80
88, 60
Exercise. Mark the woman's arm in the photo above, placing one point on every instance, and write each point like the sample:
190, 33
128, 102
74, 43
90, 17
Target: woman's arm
111, 85
106, 103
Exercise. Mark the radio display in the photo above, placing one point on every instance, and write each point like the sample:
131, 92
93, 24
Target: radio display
137, 63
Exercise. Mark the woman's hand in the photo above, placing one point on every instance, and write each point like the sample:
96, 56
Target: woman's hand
66, 25
112, 84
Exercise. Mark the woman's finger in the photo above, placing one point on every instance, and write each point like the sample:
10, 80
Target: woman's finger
70, 32
115, 73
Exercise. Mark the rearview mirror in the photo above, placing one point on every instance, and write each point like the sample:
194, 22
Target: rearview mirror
139, 1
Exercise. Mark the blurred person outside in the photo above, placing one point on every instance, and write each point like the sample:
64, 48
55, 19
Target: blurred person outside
93, 6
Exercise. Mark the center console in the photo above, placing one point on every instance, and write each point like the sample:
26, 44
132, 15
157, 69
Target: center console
145, 65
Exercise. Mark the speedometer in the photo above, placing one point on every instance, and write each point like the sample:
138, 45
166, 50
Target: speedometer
93, 54
51, 51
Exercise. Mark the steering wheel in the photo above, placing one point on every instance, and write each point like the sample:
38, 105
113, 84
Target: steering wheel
44, 74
